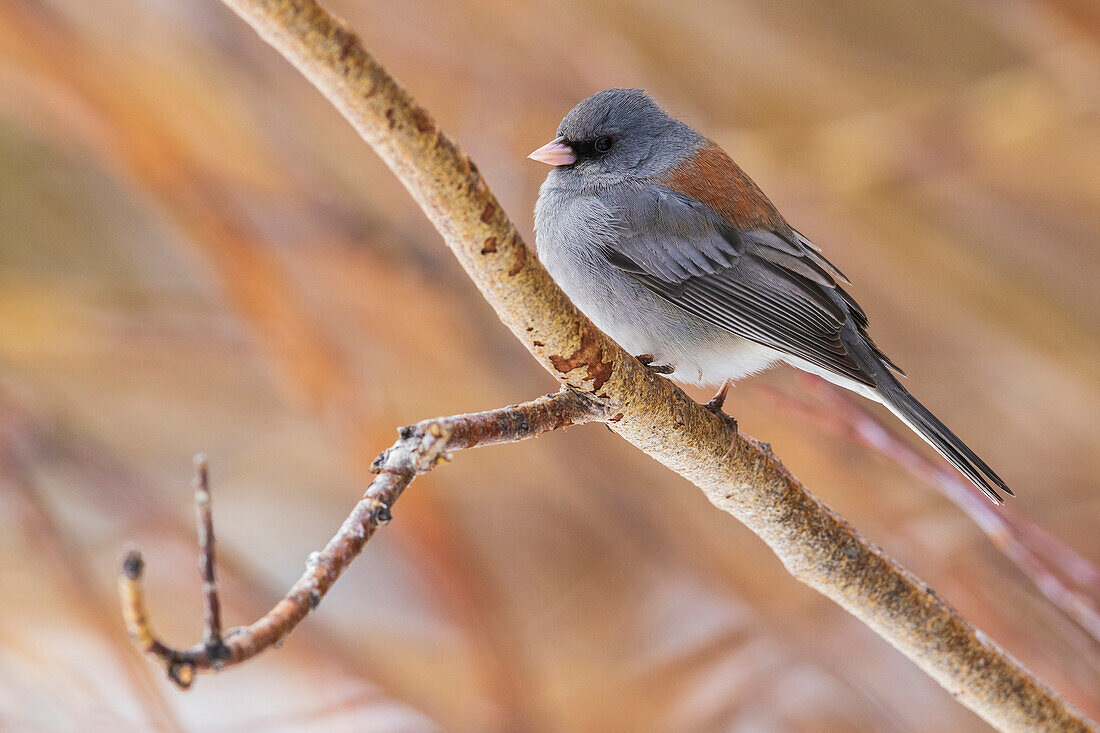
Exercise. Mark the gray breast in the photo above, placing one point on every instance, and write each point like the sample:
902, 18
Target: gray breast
571, 229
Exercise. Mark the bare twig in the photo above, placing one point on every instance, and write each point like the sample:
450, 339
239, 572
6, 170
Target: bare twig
746, 480
212, 613
418, 449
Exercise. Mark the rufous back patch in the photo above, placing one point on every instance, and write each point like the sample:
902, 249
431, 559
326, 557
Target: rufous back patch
712, 177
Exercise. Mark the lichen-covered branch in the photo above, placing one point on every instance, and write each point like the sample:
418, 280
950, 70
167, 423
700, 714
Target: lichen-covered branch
816, 545
418, 449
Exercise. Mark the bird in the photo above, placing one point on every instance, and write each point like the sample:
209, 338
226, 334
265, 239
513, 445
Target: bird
657, 235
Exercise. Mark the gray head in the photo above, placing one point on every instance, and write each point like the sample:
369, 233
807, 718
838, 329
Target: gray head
615, 135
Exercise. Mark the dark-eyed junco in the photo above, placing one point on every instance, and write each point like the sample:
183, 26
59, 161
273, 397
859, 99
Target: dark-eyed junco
659, 238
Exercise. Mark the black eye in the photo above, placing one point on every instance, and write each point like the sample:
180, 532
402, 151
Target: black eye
604, 144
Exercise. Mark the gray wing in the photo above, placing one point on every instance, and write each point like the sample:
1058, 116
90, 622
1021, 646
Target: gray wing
773, 288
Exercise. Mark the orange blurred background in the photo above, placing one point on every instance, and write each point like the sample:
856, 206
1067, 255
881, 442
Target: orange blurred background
198, 254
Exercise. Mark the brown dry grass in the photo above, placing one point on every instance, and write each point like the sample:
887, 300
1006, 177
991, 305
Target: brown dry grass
173, 279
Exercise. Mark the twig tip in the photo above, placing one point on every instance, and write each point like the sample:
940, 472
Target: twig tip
133, 564
202, 469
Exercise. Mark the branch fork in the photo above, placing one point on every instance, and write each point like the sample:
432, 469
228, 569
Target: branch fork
419, 449
737, 474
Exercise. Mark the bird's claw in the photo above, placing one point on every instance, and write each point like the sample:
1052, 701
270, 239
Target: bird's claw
714, 405
646, 360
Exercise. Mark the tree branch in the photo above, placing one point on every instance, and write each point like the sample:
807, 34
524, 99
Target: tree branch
817, 546
1067, 579
418, 449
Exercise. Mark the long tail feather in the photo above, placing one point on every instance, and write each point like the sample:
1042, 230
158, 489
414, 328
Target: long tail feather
921, 420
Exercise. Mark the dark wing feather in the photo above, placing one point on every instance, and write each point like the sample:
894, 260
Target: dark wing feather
713, 245
772, 288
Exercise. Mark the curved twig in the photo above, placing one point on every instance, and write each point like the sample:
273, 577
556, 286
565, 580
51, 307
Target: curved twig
418, 449
747, 480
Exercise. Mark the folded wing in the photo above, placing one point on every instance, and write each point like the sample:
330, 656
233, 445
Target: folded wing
770, 287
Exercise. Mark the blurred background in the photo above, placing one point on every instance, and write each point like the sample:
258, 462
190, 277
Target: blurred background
198, 254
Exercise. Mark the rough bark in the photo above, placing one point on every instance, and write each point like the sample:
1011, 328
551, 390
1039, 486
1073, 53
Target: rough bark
816, 545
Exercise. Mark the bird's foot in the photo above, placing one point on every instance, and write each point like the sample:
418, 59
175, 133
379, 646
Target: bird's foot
717, 401
647, 361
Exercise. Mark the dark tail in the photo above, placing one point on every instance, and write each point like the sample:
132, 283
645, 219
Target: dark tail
929, 427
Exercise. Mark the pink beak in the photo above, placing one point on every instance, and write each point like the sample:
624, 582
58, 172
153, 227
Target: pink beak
555, 152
